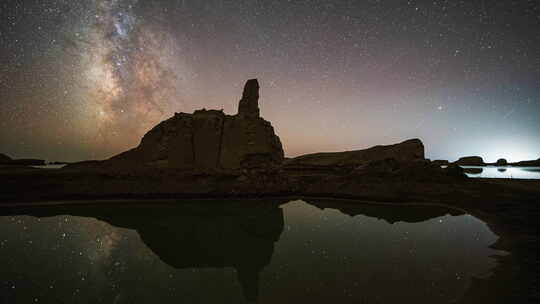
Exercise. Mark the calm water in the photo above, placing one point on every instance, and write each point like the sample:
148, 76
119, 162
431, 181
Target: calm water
506, 172
217, 252
50, 166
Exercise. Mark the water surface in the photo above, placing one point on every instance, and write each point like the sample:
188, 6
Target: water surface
506, 172
237, 252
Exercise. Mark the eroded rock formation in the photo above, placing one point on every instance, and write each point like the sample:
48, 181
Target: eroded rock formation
208, 139
210, 153
410, 150
249, 104
4, 159
440, 162
501, 162
527, 163
470, 161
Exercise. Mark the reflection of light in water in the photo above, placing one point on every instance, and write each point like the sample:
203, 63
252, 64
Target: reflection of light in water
506, 172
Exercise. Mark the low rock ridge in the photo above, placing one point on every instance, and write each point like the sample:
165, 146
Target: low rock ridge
470, 161
501, 162
527, 163
6, 160
409, 150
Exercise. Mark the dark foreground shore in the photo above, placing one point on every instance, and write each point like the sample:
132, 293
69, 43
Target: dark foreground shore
509, 207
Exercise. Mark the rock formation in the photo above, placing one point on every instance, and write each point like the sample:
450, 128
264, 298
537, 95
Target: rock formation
410, 150
212, 154
501, 162
440, 162
249, 104
527, 163
28, 162
470, 161
207, 139
4, 159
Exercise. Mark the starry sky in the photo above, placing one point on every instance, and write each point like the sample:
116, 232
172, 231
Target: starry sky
86, 79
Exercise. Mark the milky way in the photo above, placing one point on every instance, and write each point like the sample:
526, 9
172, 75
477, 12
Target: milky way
129, 76
86, 79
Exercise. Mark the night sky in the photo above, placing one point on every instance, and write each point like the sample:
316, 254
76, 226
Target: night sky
86, 79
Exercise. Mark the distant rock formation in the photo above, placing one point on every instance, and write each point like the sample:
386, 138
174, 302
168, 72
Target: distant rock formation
527, 163
4, 159
470, 161
399, 162
208, 139
440, 162
58, 163
410, 150
501, 162
28, 162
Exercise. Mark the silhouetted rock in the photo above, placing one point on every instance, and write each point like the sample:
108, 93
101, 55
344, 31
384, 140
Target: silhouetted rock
378, 168
249, 104
212, 154
527, 163
391, 169
28, 162
440, 162
59, 163
470, 161
410, 150
501, 162
4, 159
207, 139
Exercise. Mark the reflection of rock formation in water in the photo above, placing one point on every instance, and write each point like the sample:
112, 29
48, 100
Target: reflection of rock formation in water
407, 213
470, 161
244, 241
501, 169
473, 170
200, 236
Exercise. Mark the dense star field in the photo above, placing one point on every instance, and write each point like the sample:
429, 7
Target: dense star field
86, 79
